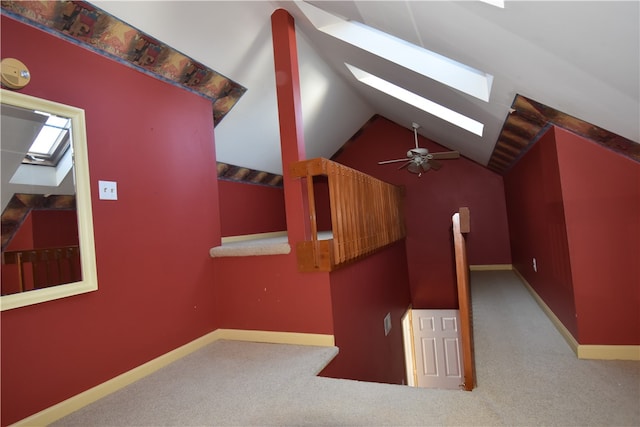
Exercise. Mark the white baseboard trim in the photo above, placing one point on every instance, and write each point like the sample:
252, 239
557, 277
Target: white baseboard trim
568, 337
66, 407
609, 352
491, 267
274, 337
583, 351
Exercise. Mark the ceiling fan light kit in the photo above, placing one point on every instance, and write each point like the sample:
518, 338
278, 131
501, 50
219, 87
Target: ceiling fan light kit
419, 159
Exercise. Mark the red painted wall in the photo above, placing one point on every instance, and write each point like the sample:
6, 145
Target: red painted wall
268, 293
250, 209
538, 228
156, 282
431, 200
362, 294
601, 197
53, 228
575, 206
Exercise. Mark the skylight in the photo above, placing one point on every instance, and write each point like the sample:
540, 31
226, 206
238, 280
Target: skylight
417, 101
51, 143
430, 64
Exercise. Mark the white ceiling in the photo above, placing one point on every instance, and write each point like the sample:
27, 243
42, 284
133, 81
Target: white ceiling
581, 58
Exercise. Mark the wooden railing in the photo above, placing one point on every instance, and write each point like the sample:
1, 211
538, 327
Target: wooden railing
40, 268
461, 226
366, 215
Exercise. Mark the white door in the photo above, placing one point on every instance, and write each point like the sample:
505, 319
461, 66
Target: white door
436, 337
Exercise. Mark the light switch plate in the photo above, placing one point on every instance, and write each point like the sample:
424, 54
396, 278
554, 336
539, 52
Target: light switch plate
108, 190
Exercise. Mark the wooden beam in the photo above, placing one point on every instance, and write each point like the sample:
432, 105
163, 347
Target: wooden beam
285, 56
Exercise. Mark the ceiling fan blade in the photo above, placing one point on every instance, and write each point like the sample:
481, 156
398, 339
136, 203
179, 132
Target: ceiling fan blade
405, 165
435, 165
384, 162
446, 155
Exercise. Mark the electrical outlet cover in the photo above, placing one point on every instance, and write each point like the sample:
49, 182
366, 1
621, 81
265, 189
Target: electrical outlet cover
387, 324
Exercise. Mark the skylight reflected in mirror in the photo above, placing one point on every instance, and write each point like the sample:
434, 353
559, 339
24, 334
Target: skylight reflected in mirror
50, 136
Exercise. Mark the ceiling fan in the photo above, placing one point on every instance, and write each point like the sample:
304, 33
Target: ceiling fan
420, 160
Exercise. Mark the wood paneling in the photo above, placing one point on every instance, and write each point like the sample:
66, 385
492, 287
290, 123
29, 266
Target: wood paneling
366, 215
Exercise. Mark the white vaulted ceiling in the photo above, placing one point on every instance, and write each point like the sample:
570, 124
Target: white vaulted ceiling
581, 58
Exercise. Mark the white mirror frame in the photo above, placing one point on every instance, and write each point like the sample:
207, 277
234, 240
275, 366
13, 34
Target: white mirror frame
89, 280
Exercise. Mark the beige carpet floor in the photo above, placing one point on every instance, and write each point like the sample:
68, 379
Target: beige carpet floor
527, 376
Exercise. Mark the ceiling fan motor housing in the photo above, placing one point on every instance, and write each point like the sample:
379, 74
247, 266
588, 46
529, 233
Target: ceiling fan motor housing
418, 151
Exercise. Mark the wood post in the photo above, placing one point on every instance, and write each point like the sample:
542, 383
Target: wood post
461, 224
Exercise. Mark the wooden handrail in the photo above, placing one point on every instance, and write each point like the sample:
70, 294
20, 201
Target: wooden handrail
366, 215
461, 224
50, 261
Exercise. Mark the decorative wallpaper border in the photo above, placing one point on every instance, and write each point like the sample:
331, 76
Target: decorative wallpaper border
227, 172
82, 23
529, 120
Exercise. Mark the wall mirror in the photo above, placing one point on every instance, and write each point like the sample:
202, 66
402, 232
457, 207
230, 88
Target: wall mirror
48, 249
